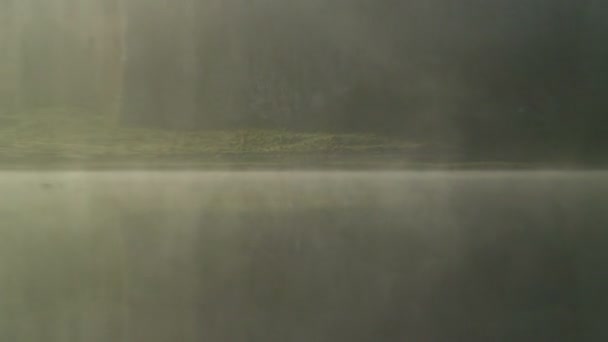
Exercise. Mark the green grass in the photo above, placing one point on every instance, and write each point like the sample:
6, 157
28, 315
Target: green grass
68, 134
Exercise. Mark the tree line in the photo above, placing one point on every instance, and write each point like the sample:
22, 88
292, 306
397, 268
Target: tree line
472, 71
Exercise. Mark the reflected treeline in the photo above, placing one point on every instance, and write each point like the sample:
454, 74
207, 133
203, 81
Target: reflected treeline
495, 73
301, 256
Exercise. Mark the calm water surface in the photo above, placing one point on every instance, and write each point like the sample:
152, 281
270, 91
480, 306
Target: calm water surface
303, 256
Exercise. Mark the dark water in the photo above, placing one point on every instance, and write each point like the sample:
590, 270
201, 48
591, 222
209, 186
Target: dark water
310, 256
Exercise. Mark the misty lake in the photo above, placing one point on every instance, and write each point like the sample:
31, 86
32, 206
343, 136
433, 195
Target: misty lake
161, 256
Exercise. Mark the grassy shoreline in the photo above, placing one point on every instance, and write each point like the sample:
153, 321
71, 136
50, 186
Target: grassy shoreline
71, 139
69, 136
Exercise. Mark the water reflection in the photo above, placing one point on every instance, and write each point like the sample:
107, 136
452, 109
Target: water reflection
310, 256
